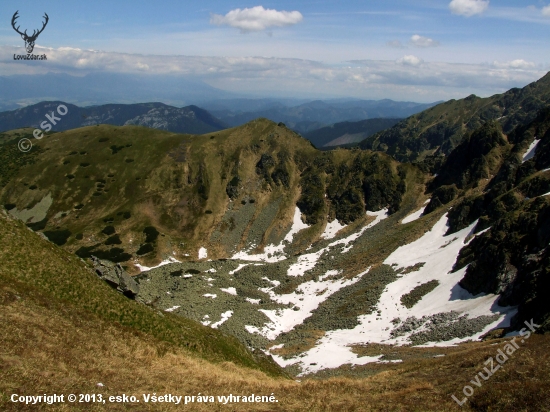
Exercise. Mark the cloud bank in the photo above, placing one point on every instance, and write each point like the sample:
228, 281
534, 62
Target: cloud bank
514, 64
256, 18
409, 77
468, 7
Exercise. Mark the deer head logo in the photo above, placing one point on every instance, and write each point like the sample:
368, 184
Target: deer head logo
29, 40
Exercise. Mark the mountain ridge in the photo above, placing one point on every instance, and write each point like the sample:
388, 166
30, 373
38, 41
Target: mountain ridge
308, 116
438, 130
348, 132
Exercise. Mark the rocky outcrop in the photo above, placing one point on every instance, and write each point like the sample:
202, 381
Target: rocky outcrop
116, 277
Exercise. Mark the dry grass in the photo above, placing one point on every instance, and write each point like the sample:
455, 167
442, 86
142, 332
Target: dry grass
51, 349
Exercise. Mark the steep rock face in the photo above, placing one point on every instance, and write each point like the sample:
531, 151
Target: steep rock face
477, 157
515, 179
510, 258
364, 181
438, 130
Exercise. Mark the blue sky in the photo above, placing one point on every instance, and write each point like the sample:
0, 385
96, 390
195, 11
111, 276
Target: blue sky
420, 50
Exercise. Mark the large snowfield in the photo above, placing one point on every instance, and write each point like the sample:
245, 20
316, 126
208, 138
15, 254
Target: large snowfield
438, 253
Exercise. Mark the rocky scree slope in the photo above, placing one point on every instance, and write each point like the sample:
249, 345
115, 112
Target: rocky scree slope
64, 331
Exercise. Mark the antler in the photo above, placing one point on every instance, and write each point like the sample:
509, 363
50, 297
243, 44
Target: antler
43, 25
13, 19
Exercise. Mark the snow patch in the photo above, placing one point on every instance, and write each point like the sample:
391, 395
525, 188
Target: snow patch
332, 229
530, 153
203, 253
297, 225
253, 301
413, 216
275, 283
329, 274
380, 215
241, 265
231, 290
279, 346
304, 263
284, 320
224, 318
164, 262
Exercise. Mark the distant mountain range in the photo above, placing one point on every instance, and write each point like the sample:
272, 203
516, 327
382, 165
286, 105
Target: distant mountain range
194, 120
102, 88
190, 119
308, 116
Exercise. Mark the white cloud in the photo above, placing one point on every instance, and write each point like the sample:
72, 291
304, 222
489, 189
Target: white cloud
421, 41
546, 11
468, 7
257, 18
514, 64
410, 60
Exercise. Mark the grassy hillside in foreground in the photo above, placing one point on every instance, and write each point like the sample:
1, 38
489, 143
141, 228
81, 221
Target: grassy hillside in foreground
35, 266
440, 129
63, 332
